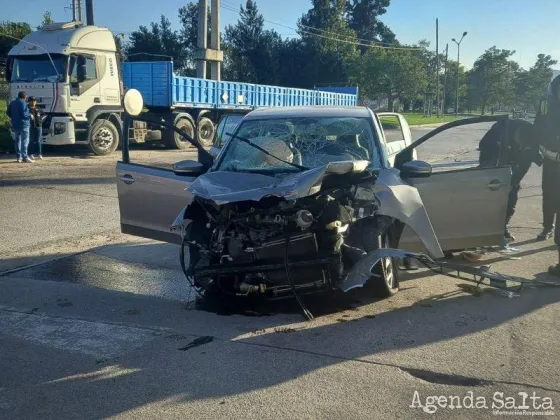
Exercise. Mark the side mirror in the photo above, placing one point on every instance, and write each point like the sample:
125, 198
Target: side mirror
189, 167
416, 169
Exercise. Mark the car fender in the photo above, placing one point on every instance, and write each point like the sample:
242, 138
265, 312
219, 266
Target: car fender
401, 201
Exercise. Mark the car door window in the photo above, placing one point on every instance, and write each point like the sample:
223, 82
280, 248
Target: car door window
227, 125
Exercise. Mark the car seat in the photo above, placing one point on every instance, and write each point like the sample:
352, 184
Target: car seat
352, 143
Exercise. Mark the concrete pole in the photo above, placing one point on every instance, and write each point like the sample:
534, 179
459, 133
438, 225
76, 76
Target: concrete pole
89, 13
215, 66
74, 18
202, 43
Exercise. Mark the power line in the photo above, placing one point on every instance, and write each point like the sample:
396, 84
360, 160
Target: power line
333, 38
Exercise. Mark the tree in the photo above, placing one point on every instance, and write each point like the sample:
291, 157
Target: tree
491, 79
156, 44
118, 43
394, 74
188, 15
10, 34
531, 85
251, 51
47, 19
363, 18
329, 41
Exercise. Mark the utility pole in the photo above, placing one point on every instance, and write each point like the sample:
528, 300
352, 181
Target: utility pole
216, 65
202, 42
79, 10
437, 67
445, 80
458, 58
89, 13
203, 53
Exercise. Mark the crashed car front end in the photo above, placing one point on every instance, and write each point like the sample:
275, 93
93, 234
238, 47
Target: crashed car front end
254, 234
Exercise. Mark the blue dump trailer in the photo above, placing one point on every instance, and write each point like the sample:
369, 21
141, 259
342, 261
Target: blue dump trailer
196, 105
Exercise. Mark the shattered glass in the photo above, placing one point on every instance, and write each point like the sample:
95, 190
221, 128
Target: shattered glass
308, 142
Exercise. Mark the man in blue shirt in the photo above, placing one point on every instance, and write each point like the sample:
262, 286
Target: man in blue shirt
18, 111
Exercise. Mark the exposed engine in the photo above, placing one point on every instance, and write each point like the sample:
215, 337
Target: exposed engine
274, 246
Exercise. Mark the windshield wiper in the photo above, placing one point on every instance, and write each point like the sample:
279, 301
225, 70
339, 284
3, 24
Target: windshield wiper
266, 152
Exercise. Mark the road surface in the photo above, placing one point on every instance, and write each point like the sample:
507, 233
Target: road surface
111, 330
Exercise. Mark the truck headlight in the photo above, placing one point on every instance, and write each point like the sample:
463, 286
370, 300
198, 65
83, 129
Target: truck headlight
59, 128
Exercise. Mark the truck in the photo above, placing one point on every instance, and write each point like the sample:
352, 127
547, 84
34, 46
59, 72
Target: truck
78, 78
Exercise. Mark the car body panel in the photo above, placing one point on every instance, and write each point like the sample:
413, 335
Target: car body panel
467, 207
149, 200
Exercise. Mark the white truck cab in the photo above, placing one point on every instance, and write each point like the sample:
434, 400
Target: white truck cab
73, 72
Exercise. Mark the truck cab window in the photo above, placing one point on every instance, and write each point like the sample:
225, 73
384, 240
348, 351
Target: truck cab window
82, 69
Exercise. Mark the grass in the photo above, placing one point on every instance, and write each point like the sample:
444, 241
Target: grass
6, 142
391, 123
420, 119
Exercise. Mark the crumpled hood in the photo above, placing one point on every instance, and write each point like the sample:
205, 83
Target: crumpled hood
224, 187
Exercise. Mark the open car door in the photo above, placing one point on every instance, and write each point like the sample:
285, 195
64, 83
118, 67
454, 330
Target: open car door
151, 197
466, 205
396, 133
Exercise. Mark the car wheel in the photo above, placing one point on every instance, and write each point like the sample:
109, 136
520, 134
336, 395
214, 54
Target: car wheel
205, 132
104, 138
176, 141
384, 281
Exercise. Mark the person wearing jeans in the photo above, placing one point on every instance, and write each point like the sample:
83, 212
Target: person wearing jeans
35, 129
18, 112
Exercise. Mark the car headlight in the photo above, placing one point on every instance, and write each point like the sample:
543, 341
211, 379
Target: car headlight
59, 128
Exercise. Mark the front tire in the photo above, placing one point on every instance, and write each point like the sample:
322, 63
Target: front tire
104, 138
385, 275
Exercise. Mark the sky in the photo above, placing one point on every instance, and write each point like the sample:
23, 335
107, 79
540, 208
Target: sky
527, 26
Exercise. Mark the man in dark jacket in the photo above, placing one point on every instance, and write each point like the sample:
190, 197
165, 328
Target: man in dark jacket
523, 150
18, 111
547, 125
36, 129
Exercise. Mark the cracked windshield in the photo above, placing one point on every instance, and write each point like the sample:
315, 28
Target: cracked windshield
293, 143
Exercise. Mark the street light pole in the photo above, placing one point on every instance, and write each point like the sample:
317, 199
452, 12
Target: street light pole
458, 58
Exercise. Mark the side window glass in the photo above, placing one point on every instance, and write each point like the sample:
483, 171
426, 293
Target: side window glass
73, 69
219, 142
392, 128
91, 71
230, 123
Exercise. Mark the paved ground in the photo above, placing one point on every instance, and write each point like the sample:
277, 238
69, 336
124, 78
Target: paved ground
114, 332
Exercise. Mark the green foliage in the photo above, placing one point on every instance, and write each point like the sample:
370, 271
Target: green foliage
252, 51
47, 19
490, 81
157, 43
9, 31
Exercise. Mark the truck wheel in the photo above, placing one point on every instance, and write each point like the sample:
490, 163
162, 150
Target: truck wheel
104, 138
175, 141
205, 132
385, 279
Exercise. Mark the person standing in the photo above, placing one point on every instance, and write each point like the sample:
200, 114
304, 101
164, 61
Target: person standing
523, 150
36, 129
18, 112
547, 125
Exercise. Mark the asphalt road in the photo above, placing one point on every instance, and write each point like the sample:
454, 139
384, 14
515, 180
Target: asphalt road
111, 330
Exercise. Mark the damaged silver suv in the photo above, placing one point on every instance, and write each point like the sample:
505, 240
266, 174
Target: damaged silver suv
299, 199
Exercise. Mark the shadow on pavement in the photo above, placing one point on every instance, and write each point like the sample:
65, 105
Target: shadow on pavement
230, 362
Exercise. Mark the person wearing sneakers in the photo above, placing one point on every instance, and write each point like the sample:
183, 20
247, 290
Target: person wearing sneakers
547, 124
36, 128
18, 112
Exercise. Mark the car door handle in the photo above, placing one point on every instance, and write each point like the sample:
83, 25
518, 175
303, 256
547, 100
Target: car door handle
127, 179
495, 184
